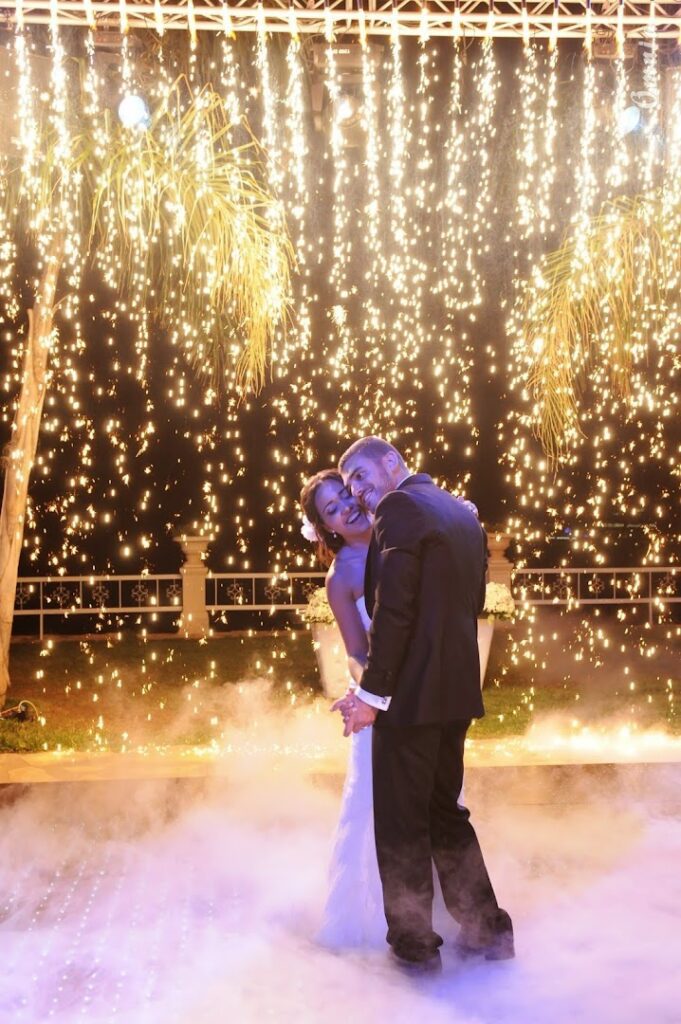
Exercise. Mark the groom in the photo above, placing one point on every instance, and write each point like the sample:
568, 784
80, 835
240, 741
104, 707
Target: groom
424, 588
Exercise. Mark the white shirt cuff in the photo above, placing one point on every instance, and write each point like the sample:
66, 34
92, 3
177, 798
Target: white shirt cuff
373, 700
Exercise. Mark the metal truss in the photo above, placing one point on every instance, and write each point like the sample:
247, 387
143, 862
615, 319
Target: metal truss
552, 19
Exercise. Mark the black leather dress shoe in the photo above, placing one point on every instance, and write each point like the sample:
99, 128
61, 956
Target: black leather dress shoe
429, 965
498, 946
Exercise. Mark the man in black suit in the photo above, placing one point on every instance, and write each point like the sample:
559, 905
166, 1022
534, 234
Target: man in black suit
424, 588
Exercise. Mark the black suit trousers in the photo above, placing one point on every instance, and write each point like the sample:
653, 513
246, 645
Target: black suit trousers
418, 774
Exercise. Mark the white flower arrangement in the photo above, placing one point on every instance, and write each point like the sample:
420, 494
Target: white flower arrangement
499, 603
318, 608
309, 530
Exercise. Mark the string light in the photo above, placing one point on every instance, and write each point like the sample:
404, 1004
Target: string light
158, 19
123, 16
619, 31
89, 15
228, 26
651, 92
424, 27
526, 25
329, 34
456, 20
491, 19
553, 37
362, 25
617, 168
588, 34
530, 132
191, 23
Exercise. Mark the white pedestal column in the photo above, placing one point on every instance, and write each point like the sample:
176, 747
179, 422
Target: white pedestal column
194, 622
499, 568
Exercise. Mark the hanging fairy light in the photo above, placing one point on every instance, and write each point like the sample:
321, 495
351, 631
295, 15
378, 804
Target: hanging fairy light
158, 19
89, 15
619, 31
528, 186
456, 20
553, 37
229, 80
191, 23
362, 25
329, 33
123, 16
651, 96
526, 25
227, 24
372, 316
588, 32
491, 20
424, 27
624, 120
400, 142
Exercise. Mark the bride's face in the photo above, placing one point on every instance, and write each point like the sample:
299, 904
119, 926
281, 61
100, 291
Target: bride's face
340, 512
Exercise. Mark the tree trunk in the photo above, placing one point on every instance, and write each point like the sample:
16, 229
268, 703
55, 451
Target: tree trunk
20, 452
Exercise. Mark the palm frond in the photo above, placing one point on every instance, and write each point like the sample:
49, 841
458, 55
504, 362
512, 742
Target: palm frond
597, 302
198, 237
180, 220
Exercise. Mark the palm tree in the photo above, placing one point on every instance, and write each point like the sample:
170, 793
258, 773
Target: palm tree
599, 301
179, 219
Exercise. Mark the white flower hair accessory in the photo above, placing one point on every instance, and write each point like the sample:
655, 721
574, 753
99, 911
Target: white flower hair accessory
309, 531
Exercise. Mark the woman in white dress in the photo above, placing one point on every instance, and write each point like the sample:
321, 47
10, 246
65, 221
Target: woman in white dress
341, 529
353, 914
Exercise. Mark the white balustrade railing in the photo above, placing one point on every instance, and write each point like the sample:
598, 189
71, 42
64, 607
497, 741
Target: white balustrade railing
151, 595
260, 591
657, 587
147, 594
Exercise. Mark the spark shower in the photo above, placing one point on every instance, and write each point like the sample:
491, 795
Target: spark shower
422, 181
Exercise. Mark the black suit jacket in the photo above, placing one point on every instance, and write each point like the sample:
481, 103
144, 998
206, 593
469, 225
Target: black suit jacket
424, 588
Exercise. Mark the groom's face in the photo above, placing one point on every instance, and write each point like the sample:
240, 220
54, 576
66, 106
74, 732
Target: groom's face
368, 480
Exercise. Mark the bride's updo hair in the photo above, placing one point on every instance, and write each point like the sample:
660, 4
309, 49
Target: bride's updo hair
328, 543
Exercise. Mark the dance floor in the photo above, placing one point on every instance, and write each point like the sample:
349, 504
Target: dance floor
196, 900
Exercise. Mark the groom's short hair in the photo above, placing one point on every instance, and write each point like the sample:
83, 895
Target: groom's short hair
373, 448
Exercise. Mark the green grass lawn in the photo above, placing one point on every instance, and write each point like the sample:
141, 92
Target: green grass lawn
123, 691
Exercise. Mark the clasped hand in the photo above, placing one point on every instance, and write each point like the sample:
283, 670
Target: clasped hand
357, 714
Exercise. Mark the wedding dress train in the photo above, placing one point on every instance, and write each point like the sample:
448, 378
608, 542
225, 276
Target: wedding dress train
353, 914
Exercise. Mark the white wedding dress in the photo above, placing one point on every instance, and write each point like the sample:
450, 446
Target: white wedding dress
353, 914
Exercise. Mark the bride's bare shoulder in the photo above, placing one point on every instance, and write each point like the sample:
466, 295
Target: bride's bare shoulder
345, 578
339, 578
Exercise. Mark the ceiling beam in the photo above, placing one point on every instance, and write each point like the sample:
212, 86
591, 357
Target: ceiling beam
513, 18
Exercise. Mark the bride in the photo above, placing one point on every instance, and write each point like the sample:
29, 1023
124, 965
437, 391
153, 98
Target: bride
341, 529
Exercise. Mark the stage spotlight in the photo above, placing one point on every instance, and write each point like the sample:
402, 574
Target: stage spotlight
134, 112
630, 120
347, 108
341, 103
